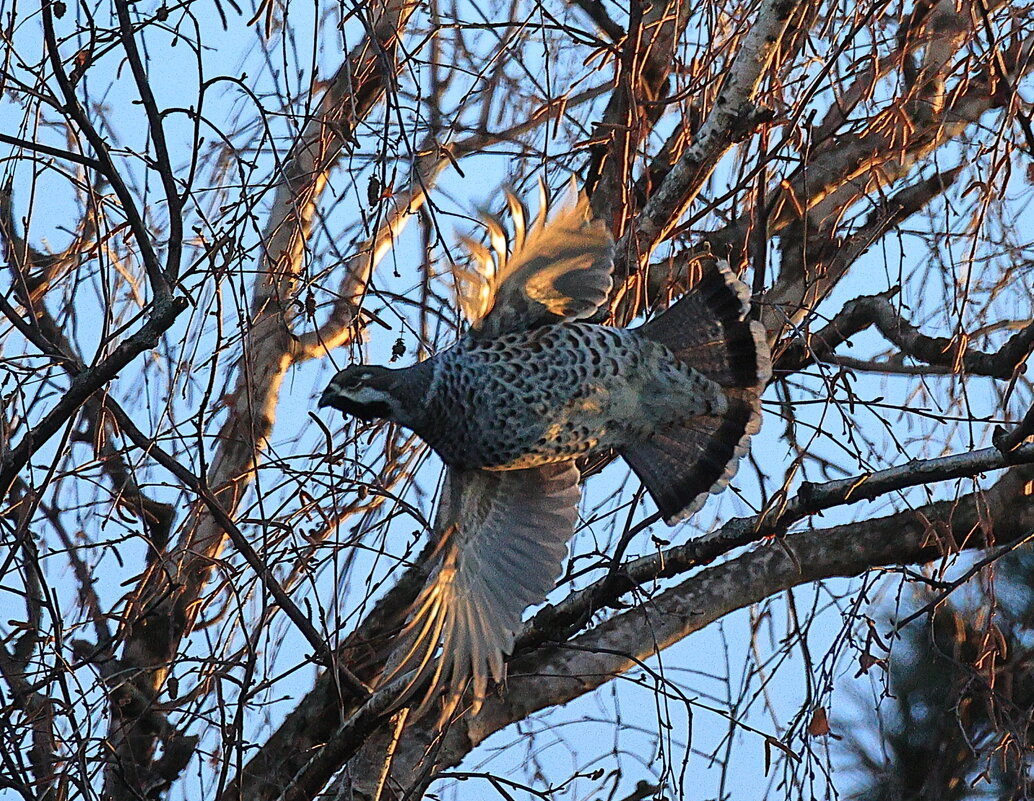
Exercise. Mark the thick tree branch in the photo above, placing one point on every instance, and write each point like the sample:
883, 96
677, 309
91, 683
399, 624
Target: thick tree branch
1008, 442
840, 170
595, 11
34, 708
557, 623
554, 676
644, 62
164, 605
732, 116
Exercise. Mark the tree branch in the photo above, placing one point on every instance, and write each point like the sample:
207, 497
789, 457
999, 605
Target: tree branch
337, 330
878, 310
157, 279
163, 606
555, 675
557, 623
732, 116
85, 383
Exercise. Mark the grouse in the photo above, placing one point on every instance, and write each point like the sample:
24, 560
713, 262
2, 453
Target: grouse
528, 390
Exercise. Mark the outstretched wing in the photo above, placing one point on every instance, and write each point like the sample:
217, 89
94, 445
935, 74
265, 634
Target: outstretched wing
558, 269
503, 539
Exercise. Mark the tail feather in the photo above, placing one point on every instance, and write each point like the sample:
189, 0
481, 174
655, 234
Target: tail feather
682, 465
708, 330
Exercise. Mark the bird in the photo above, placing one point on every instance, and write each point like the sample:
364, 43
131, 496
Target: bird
529, 389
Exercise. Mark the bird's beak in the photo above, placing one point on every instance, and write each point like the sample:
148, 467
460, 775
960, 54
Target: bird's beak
324, 399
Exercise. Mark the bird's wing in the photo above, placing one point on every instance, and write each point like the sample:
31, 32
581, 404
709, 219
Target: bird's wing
503, 539
556, 270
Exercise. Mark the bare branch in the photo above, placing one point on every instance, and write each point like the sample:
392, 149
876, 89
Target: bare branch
337, 330
198, 520
159, 283
732, 116
87, 382
358, 85
879, 311
556, 675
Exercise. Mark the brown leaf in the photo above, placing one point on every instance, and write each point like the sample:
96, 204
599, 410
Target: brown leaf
866, 662
819, 725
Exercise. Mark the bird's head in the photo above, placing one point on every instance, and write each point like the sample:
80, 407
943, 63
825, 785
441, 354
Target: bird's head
364, 391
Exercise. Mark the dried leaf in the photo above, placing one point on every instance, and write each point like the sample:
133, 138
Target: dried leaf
819, 725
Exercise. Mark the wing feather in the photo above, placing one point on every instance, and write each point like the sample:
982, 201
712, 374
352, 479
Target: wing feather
504, 538
554, 270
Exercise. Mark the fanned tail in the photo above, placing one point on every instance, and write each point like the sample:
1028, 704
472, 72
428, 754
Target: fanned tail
708, 330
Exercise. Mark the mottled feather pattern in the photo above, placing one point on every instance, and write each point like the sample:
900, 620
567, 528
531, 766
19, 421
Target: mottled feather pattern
559, 392
527, 391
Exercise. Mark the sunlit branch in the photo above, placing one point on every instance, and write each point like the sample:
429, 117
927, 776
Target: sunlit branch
555, 674
880, 311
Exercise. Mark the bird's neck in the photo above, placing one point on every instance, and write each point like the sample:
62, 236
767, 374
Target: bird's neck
410, 393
